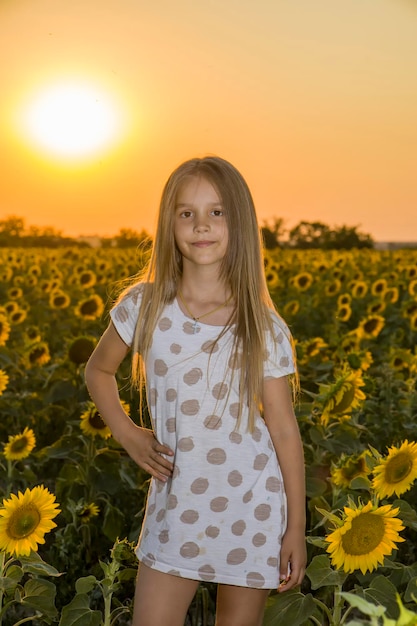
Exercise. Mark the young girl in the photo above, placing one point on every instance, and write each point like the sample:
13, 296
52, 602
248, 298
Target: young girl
226, 502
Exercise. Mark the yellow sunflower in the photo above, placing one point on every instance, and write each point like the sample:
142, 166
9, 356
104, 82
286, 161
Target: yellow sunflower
14, 293
359, 289
311, 348
341, 397
272, 277
371, 326
87, 511
302, 281
90, 308
367, 534
32, 334
59, 299
391, 295
92, 423
87, 279
17, 317
4, 330
397, 471
333, 287
291, 308
401, 359
344, 298
4, 380
80, 349
412, 288
379, 287
348, 468
24, 520
413, 322
344, 313
374, 308
37, 354
20, 446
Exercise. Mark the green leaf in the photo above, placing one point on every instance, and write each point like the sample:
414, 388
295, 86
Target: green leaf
382, 591
369, 608
113, 523
40, 595
321, 574
406, 513
33, 564
360, 482
291, 607
85, 584
78, 613
411, 591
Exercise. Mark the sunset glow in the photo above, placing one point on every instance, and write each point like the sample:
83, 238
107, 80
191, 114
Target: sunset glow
72, 120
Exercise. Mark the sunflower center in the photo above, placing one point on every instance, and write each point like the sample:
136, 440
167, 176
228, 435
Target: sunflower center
370, 326
398, 468
36, 355
23, 521
89, 307
19, 445
365, 534
346, 399
96, 421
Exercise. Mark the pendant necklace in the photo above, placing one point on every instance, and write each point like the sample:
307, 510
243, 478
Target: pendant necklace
195, 319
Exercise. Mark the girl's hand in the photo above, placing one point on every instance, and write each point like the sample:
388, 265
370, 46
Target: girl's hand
146, 451
293, 559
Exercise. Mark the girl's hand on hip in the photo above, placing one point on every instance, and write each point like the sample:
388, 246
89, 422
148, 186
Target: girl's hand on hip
148, 453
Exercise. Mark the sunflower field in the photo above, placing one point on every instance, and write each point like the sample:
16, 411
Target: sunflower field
71, 500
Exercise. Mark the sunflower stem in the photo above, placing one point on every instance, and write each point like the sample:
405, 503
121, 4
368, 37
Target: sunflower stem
338, 606
325, 610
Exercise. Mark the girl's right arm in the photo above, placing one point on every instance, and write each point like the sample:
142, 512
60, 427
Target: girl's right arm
100, 375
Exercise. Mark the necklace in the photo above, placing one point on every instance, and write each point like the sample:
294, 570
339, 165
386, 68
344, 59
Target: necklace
200, 317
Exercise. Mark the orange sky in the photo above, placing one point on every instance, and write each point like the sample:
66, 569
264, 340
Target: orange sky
315, 103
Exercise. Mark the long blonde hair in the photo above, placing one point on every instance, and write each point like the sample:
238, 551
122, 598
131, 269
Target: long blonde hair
242, 270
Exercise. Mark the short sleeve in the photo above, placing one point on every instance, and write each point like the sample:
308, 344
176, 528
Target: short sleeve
279, 359
125, 313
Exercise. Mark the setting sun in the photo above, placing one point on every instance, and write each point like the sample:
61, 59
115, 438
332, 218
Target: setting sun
72, 120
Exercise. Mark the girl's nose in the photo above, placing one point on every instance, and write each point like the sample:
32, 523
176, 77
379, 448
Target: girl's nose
201, 224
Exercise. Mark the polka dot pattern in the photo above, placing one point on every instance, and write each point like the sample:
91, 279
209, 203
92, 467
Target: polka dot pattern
221, 516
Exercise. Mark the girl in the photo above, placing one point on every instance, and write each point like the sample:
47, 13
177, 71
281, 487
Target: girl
226, 502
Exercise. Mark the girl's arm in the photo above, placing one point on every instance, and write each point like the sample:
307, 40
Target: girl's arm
282, 425
100, 376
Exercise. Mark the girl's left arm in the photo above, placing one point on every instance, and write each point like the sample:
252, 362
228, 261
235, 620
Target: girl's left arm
283, 428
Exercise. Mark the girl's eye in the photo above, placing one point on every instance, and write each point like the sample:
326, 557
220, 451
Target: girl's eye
185, 214
218, 212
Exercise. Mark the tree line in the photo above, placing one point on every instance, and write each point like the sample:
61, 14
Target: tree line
305, 235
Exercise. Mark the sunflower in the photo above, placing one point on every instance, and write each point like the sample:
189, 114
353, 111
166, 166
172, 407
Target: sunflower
311, 348
20, 446
410, 309
35, 270
360, 360
348, 468
344, 313
302, 281
397, 471
341, 397
291, 308
374, 308
379, 287
80, 349
86, 512
4, 330
412, 288
6, 274
92, 423
87, 279
401, 359
366, 535
371, 326
359, 289
19, 316
24, 520
413, 322
391, 295
32, 334
333, 287
15, 293
91, 308
344, 298
59, 299
4, 381
37, 354
272, 277
11, 307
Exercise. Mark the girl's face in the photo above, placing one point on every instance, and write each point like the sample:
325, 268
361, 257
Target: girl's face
200, 227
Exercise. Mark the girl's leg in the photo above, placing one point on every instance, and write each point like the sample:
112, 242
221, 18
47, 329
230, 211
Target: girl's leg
161, 599
240, 606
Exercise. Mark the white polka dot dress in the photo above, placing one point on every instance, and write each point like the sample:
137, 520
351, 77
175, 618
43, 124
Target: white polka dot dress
221, 516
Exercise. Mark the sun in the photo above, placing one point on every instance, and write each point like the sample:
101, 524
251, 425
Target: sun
72, 119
